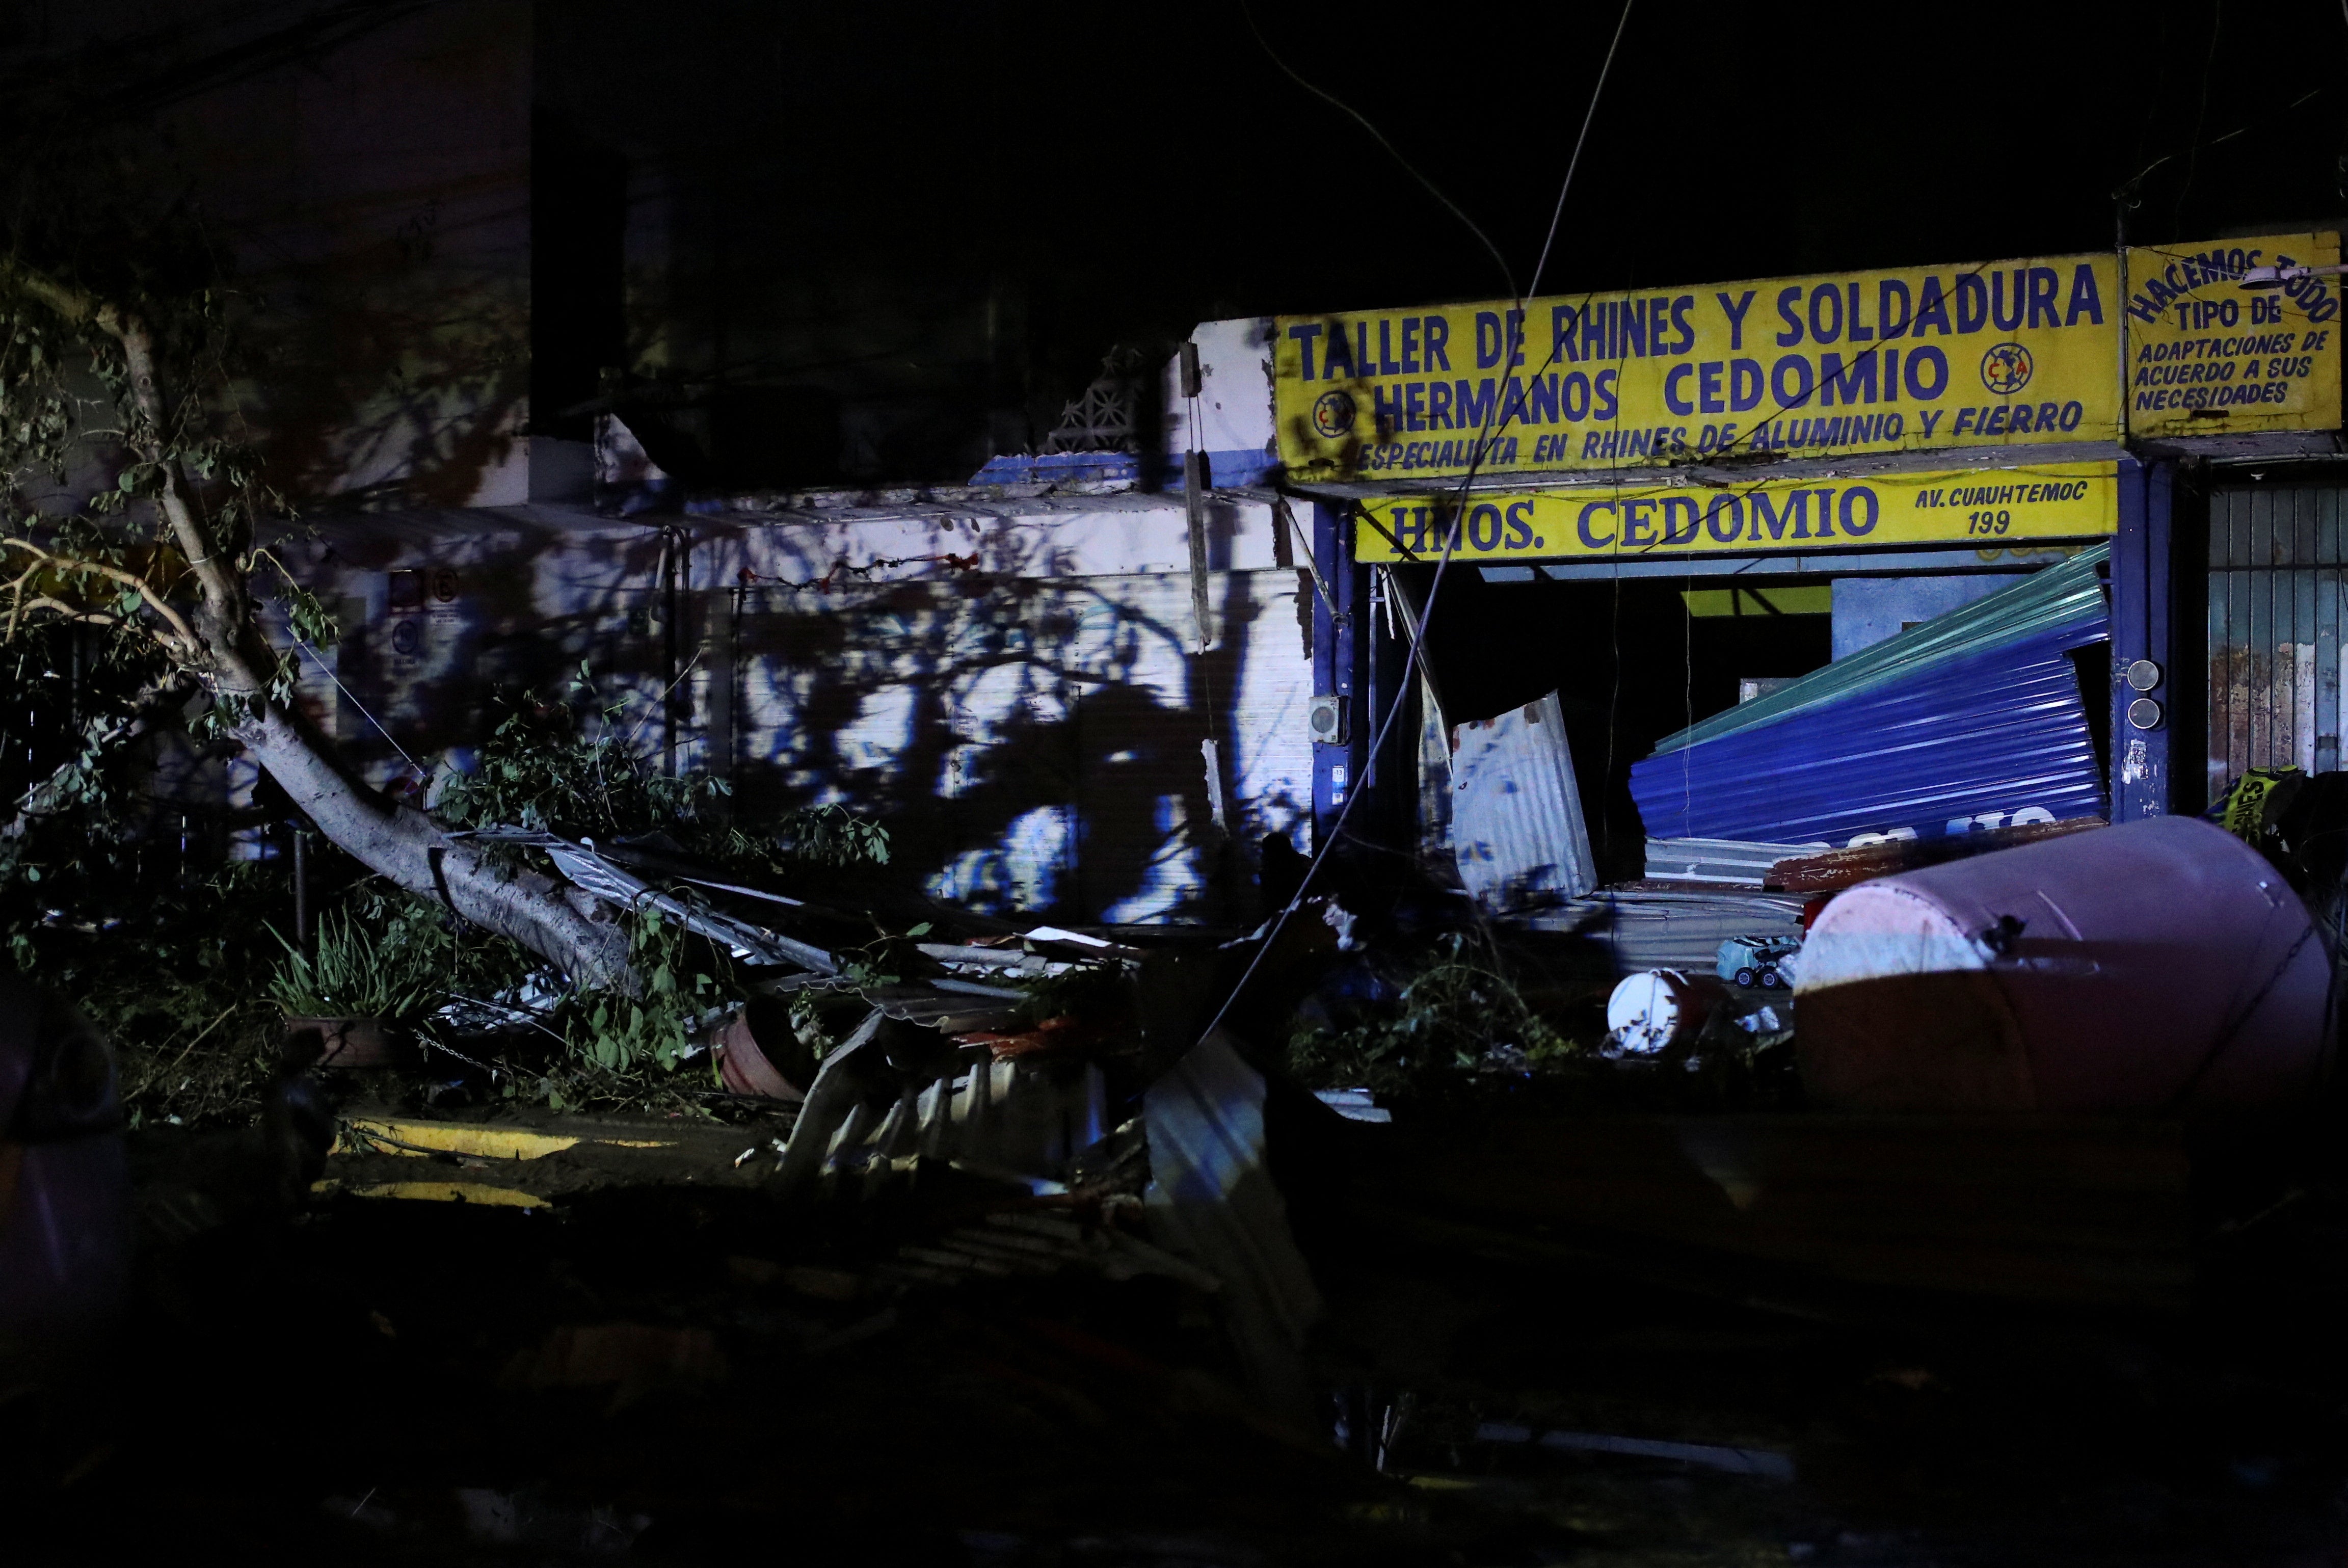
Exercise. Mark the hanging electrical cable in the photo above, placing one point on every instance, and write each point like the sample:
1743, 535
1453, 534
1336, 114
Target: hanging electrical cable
1496, 421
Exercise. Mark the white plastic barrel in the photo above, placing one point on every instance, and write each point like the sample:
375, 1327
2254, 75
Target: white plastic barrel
1650, 1010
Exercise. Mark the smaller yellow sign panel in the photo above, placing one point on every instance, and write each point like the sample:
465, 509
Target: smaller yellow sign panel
1990, 508
2208, 356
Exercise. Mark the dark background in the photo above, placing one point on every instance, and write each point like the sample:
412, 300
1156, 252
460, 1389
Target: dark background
885, 241
878, 183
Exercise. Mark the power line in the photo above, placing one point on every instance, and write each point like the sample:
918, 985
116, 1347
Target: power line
1451, 521
1575, 161
1379, 137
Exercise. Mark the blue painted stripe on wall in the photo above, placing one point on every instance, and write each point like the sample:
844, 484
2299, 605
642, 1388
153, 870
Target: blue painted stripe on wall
1225, 470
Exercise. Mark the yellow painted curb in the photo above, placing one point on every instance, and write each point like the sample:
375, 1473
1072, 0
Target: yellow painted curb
451, 1138
443, 1193
381, 1136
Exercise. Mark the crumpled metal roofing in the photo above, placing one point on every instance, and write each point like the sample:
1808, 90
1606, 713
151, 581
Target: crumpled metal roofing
1732, 860
1516, 827
1973, 719
1674, 927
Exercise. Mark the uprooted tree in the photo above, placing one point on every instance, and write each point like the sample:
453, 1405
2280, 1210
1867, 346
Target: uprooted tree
116, 393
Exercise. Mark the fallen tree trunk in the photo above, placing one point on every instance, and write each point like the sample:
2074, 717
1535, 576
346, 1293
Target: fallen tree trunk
221, 644
568, 928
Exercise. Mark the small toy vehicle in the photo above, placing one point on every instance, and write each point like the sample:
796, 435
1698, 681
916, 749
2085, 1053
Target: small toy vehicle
1750, 960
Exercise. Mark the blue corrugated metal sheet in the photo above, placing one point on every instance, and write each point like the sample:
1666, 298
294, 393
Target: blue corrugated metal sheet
1973, 719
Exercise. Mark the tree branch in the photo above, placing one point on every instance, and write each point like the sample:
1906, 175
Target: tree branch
181, 632
230, 647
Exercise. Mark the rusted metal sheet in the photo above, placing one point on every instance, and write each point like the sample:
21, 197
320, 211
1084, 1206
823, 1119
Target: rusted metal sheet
2276, 562
1736, 861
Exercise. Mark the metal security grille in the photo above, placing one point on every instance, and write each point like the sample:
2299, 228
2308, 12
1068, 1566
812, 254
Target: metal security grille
2277, 560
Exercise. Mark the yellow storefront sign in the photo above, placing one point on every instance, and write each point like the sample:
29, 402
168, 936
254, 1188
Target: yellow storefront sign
1990, 508
2208, 356
1989, 354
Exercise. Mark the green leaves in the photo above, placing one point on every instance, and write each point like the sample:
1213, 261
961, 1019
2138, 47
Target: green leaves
1439, 1025
309, 620
539, 770
619, 1033
832, 835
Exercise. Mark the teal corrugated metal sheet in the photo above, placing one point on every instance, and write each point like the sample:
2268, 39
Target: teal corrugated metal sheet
1973, 719
2058, 602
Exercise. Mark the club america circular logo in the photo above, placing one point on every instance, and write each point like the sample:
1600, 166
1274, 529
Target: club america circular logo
1333, 416
2005, 369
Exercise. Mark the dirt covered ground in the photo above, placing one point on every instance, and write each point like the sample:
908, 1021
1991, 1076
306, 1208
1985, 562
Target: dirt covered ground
650, 1360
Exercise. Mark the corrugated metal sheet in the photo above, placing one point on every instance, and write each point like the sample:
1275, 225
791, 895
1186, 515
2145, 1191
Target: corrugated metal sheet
1517, 828
2064, 607
1736, 861
1211, 1199
1674, 927
1973, 719
2276, 560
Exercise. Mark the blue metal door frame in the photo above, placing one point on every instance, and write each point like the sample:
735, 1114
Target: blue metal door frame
1336, 666
2141, 584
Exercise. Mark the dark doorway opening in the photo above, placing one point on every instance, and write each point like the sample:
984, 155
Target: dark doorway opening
1633, 660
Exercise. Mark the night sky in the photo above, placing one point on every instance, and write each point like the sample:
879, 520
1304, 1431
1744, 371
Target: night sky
1114, 175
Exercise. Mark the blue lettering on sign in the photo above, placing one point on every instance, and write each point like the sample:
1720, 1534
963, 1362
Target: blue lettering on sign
1744, 385
1562, 321
1480, 535
1796, 511
2084, 299
1932, 307
2000, 317
1735, 314
1891, 289
1852, 383
1859, 510
1304, 337
1728, 509
1487, 340
1521, 530
1973, 302
1859, 331
1679, 520
1590, 540
1339, 354
1638, 522
1920, 360
1788, 309
1473, 408
1789, 378
1824, 330
1676, 400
